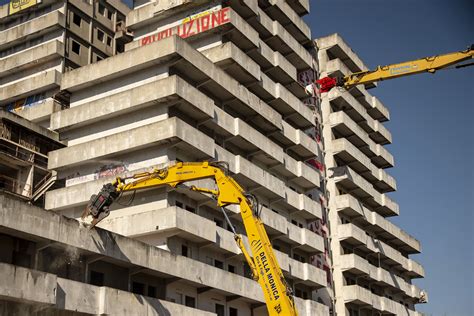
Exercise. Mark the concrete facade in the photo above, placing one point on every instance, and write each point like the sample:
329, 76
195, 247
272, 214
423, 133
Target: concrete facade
39, 43
201, 80
372, 270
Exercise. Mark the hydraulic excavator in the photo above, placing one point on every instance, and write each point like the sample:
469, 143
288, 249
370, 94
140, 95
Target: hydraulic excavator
427, 64
263, 264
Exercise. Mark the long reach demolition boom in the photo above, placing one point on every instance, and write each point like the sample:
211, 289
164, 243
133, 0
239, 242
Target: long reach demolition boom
408, 68
265, 268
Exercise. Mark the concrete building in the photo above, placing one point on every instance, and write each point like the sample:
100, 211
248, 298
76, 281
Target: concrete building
201, 80
372, 271
40, 40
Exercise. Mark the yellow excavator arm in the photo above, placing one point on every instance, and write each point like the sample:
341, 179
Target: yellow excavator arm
265, 268
408, 68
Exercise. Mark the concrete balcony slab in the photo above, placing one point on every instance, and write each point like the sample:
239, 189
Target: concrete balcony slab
348, 154
40, 112
301, 7
352, 183
276, 66
304, 239
34, 27
282, 41
357, 237
334, 46
42, 82
235, 62
344, 101
343, 126
169, 91
167, 222
155, 12
280, 10
166, 131
377, 224
32, 57
358, 295
359, 266
301, 204
34, 287
189, 65
310, 307
38, 224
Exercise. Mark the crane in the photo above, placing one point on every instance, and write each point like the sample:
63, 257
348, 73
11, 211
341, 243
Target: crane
427, 64
264, 266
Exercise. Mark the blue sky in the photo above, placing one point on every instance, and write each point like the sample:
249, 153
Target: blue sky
431, 125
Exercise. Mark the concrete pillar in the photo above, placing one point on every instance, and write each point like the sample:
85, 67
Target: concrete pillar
25, 181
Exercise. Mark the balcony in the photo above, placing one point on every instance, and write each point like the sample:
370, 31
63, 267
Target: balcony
377, 224
361, 267
279, 39
34, 27
335, 47
42, 82
357, 237
167, 222
189, 65
32, 57
357, 295
169, 130
40, 113
343, 126
350, 182
301, 7
27, 285
32, 221
166, 92
346, 102
281, 11
347, 154
39, 290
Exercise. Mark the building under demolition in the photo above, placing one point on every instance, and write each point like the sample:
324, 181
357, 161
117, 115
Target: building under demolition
94, 90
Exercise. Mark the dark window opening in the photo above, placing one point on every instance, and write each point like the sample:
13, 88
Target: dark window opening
109, 14
120, 48
97, 278
76, 19
190, 209
151, 291
190, 301
184, 250
109, 41
219, 222
98, 58
218, 264
138, 288
231, 268
220, 310
101, 9
179, 204
100, 35
76, 47
233, 311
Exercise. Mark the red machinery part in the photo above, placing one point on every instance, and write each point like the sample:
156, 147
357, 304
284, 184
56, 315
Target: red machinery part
326, 84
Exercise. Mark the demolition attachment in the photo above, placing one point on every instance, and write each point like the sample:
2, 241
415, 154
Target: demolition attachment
99, 204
